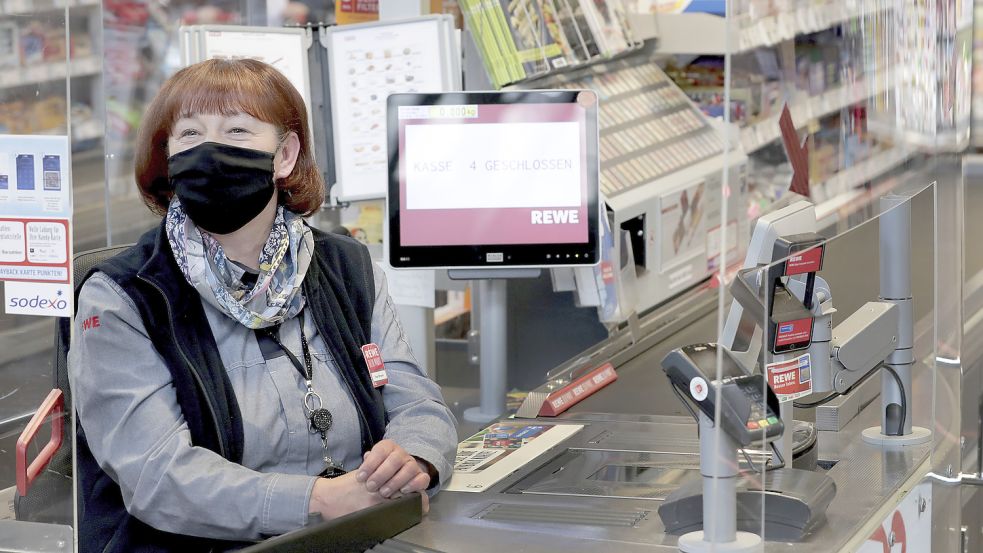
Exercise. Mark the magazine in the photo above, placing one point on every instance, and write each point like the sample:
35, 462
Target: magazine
502, 448
536, 48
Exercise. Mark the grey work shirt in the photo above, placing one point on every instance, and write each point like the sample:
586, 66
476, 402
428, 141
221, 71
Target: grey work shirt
136, 431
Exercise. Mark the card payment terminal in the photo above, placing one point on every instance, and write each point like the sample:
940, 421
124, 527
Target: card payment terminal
749, 408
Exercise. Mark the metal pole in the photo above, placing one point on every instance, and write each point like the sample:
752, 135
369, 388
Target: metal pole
492, 341
894, 225
786, 443
895, 265
718, 465
719, 483
418, 324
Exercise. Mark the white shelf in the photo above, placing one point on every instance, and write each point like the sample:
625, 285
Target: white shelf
766, 31
763, 132
701, 33
89, 132
44, 72
26, 7
945, 141
841, 188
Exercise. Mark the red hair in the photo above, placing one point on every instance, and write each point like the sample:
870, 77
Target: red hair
227, 87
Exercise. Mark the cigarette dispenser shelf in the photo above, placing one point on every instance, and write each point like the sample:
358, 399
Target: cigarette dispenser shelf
649, 127
661, 175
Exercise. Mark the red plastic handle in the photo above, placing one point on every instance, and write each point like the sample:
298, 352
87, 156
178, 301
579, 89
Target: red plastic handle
54, 407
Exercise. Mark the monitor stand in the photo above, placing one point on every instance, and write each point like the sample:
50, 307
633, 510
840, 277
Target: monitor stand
490, 285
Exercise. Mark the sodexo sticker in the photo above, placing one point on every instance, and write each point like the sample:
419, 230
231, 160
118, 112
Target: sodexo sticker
698, 388
37, 298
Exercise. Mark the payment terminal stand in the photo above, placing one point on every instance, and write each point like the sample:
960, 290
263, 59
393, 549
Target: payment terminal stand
742, 334
799, 310
794, 306
748, 412
492, 337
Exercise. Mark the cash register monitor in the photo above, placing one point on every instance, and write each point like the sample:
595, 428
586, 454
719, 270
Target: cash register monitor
493, 179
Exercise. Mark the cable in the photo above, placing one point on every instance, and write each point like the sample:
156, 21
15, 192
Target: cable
749, 461
686, 404
781, 460
780, 464
904, 400
834, 395
817, 403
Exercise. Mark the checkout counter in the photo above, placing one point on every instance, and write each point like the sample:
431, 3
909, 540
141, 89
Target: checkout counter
633, 467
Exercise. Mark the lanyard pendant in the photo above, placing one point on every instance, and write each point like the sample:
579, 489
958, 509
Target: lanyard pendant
321, 421
331, 469
320, 418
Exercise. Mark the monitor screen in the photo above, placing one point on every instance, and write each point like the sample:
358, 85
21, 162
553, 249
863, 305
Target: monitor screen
493, 179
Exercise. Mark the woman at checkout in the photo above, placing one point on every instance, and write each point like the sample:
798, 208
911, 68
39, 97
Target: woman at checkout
233, 389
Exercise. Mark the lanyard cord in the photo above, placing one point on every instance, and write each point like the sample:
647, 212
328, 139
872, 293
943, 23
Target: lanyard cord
274, 334
319, 418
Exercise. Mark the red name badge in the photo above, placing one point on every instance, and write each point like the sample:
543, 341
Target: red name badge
377, 369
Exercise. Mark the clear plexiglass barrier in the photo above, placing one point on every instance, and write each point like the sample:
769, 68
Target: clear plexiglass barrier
42, 77
844, 357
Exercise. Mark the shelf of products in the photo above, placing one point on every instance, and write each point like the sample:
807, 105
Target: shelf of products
762, 132
815, 75
843, 154
21, 7
838, 208
839, 186
34, 49
48, 115
755, 25
648, 126
934, 85
977, 82
768, 25
837, 192
48, 72
523, 40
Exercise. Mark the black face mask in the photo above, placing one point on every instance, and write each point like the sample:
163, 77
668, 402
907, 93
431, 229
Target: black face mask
222, 187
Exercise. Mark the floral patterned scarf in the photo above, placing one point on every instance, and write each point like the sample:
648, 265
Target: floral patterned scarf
275, 297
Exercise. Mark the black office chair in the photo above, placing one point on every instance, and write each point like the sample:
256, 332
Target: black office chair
44, 486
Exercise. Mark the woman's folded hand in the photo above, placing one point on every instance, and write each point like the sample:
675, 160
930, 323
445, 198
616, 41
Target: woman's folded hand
389, 470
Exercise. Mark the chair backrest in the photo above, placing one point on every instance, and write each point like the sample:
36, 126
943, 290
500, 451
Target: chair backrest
83, 263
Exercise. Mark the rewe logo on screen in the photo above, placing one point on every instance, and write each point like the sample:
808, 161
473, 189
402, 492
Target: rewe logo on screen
555, 217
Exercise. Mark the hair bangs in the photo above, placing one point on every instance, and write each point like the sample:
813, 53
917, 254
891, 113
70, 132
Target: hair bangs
222, 90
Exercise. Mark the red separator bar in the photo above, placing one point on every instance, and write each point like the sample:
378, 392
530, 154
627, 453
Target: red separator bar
578, 390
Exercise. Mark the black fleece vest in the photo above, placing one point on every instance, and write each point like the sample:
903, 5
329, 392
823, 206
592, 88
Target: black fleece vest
340, 294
